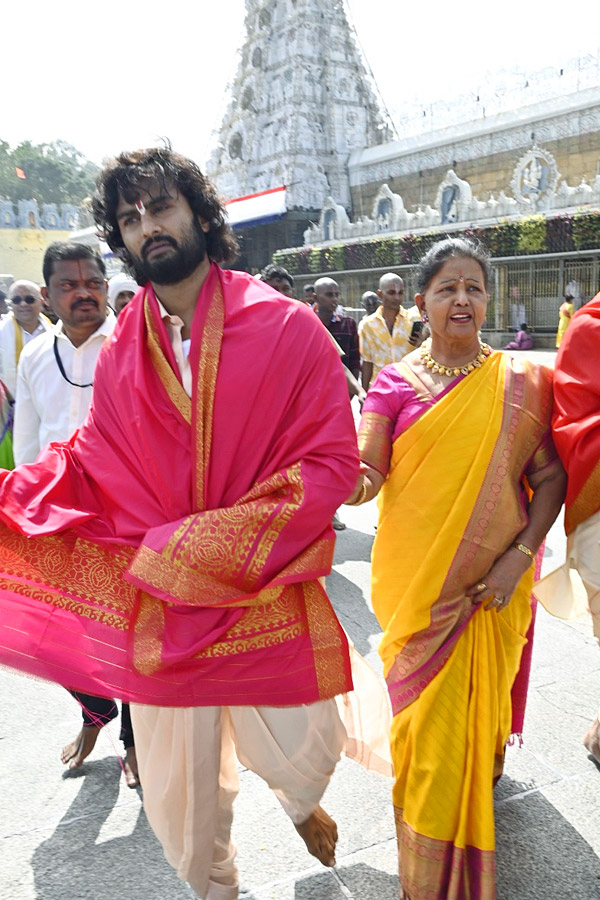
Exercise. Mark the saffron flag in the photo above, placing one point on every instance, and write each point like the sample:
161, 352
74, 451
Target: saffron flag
20, 173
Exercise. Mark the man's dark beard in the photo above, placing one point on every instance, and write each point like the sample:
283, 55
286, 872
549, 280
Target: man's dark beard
189, 253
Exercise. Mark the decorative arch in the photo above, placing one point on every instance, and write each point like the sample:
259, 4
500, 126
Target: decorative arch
453, 200
388, 212
333, 221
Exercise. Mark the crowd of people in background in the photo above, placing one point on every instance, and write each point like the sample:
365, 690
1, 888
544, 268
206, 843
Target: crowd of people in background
50, 340
208, 363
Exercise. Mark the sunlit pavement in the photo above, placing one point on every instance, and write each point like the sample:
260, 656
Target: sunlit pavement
86, 837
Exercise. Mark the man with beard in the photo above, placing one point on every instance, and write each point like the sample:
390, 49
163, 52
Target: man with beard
54, 392
23, 323
179, 539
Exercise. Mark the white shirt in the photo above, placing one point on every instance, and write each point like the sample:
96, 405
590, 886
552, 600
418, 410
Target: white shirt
181, 348
47, 407
8, 362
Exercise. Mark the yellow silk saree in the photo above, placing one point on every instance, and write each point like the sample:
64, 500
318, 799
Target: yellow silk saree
454, 500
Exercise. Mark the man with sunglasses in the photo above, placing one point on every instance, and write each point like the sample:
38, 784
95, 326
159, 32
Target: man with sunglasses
24, 322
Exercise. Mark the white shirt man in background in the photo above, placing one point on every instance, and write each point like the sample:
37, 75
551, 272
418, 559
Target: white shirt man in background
54, 392
23, 323
55, 374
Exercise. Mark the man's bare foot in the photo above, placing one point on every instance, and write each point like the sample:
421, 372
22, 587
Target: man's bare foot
591, 741
75, 752
132, 776
319, 833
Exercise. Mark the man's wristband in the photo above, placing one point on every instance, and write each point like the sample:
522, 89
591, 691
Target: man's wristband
518, 546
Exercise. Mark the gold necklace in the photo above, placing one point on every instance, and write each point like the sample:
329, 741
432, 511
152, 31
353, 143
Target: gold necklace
477, 361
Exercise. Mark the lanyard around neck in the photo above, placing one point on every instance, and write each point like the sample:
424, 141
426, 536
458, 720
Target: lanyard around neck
61, 368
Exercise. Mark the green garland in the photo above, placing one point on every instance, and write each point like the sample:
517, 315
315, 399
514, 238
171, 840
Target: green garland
530, 235
586, 230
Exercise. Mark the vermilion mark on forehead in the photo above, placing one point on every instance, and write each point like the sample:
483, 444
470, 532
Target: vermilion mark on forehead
139, 205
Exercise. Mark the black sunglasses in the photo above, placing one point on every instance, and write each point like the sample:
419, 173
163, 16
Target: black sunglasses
28, 298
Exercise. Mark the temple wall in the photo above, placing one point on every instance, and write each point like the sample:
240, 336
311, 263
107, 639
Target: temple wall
576, 157
484, 153
22, 251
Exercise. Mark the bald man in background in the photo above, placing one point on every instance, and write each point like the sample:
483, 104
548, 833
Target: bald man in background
386, 336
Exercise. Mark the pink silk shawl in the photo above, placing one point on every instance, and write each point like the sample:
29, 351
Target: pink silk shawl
169, 553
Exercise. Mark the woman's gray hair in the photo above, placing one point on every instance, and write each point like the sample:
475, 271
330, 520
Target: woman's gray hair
444, 250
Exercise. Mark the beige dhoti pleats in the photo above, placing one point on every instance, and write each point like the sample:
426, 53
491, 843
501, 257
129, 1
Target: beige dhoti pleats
188, 769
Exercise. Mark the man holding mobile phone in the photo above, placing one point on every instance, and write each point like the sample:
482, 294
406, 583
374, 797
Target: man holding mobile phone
388, 334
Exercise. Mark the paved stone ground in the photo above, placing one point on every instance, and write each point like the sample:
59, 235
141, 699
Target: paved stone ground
85, 837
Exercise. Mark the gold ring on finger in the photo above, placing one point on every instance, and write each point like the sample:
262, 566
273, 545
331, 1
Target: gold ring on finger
482, 586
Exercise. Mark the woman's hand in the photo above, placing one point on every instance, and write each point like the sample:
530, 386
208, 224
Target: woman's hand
367, 485
499, 584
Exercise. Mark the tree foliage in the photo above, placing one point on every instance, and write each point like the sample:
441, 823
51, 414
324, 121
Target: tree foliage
54, 173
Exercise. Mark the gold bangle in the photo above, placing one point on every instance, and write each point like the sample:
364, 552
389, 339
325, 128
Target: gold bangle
362, 496
518, 546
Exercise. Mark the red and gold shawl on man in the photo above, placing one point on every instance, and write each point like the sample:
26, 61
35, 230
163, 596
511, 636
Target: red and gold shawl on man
576, 420
169, 553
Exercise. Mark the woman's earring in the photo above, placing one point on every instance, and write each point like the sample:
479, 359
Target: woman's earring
424, 318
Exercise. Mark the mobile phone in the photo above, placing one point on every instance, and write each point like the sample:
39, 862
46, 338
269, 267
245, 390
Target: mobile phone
416, 329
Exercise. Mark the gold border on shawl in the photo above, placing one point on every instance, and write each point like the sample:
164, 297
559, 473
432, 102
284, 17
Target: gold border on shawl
586, 503
274, 623
40, 568
273, 486
199, 588
171, 383
18, 341
329, 648
60, 601
229, 544
148, 633
206, 382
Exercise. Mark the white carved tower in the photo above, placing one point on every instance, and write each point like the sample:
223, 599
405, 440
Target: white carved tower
300, 103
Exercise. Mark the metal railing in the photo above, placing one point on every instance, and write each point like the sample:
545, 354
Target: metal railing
521, 289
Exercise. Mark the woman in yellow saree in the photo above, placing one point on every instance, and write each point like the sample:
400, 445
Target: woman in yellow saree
457, 438
565, 314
